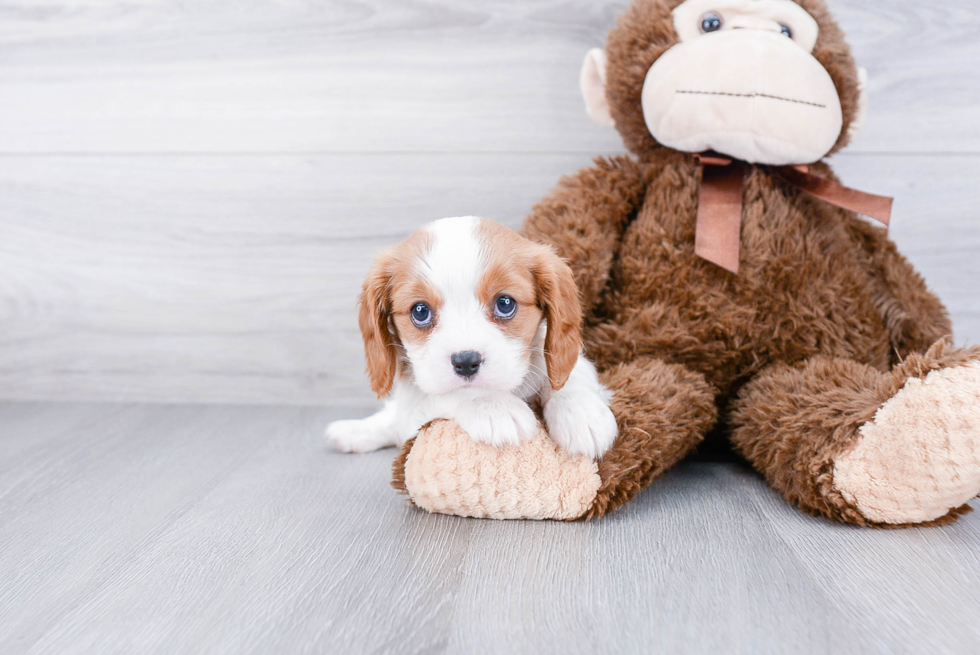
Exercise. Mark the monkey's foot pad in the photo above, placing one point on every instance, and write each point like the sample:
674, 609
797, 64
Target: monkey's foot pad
444, 471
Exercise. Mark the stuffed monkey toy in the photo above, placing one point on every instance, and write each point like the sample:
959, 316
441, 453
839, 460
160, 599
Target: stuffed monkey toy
729, 286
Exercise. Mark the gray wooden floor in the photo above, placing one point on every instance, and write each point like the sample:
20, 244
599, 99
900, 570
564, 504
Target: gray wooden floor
190, 529
190, 193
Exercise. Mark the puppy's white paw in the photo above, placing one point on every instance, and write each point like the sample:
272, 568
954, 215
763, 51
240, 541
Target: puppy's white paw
500, 420
581, 422
357, 436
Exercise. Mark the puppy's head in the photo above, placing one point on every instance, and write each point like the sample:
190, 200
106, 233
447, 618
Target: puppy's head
462, 303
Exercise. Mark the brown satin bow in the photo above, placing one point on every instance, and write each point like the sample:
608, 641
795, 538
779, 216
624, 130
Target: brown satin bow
719, 224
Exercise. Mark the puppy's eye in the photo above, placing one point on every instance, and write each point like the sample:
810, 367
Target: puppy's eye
786, 31
421, 315
505, 307
711, 22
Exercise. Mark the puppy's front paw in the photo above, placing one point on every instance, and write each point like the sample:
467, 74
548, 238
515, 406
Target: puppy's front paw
581, 422
357, 436
497, 420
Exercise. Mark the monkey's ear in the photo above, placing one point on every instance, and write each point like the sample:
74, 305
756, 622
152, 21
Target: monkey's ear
592, 80
862, 111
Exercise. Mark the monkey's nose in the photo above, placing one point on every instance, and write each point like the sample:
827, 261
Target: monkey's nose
466, 363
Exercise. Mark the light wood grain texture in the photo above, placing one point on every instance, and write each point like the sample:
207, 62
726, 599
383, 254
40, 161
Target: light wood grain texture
193, 191
234, 279
233, 530
389, 75
217, 278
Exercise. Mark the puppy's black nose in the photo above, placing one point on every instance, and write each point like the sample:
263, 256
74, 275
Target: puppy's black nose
466, 363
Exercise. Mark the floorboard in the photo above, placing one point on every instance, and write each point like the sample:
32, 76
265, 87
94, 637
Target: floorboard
188, 529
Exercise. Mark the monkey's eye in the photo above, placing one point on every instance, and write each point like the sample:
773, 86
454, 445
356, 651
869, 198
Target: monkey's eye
710, 22
421, 315
786, 31
505, 307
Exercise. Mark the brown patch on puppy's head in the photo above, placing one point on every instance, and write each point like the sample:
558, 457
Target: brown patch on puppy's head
543, 285
506, 273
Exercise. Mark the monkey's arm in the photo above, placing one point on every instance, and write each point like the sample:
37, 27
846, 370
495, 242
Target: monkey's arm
914, 316
584, 218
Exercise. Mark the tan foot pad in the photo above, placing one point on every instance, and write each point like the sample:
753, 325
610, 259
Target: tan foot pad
444, 471
920, 456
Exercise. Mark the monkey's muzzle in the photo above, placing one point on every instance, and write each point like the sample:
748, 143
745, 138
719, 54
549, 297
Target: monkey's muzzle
752, 95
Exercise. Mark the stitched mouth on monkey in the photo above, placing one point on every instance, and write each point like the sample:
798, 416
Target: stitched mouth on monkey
742, 80
755, 94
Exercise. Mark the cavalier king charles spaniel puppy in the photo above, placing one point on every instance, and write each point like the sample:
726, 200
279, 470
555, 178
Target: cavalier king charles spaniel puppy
469, 321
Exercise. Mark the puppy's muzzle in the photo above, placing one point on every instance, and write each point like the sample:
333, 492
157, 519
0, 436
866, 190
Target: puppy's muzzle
466, 364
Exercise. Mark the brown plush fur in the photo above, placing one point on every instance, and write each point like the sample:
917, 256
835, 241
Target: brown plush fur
805, 417
793, 353
398, 468
663, 411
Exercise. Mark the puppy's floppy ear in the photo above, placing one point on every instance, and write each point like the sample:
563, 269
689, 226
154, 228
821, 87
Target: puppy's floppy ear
380, 344
558, 298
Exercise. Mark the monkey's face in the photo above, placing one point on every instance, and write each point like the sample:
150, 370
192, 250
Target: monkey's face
742, 82
740, 79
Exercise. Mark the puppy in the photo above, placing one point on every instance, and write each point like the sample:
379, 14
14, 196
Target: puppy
467, 320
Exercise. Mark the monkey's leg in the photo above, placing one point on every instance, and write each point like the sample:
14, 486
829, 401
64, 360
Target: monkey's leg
885, 449
664, 411
914, 316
